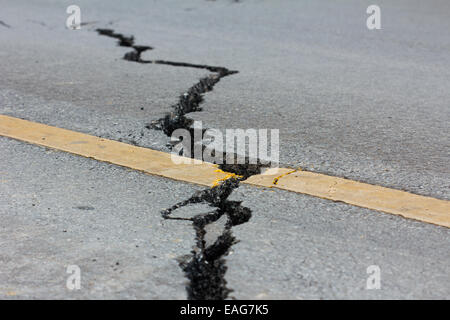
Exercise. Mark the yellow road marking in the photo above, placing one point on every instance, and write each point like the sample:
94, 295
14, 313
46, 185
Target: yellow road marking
364, 195
122, 154
360, 194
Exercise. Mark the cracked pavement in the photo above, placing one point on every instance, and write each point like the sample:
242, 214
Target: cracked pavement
364, 105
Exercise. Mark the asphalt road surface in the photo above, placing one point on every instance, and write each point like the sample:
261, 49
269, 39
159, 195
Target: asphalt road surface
369, 105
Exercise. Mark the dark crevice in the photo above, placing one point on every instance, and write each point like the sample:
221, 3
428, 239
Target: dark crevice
4, 24
205, 267
123, 41
187, 102
245, 170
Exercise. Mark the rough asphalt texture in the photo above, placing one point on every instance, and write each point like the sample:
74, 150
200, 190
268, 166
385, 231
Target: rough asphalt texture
368, 105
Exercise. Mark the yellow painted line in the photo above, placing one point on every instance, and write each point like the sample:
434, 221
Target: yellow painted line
364, 195
122, 154
360, 194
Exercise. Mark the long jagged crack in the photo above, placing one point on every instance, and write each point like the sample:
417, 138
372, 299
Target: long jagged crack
188, 102
205, 266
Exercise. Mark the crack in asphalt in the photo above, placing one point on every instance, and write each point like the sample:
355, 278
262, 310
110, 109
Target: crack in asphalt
188, 102
205, 267
4, 24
